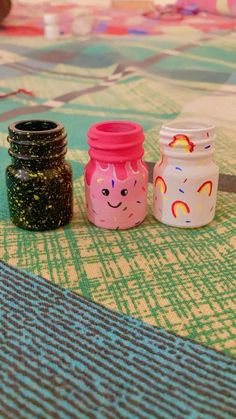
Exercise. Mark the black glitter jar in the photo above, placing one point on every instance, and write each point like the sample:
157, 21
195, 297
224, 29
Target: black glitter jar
39, 181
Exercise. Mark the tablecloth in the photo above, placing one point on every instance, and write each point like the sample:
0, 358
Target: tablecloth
181, 280
64, 356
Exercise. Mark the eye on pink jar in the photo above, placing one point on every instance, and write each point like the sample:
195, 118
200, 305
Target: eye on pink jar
115, 176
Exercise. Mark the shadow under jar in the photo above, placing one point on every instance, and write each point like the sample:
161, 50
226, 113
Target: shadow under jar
39, 181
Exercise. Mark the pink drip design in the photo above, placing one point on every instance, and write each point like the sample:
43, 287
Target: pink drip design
119, 170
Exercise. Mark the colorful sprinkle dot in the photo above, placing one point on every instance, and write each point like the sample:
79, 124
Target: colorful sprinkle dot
138, 202
188, 221
113, 183
100, 179
181, 190
135, 182
125, 209
185, 180
207, 146
178, 168
131, 215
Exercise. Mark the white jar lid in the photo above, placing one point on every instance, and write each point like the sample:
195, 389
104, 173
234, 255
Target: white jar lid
50, 19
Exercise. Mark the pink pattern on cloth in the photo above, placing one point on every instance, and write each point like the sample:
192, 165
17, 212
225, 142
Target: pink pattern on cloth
27, 19
227, 7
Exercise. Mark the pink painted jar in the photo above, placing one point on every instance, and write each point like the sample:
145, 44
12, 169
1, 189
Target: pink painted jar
115, 176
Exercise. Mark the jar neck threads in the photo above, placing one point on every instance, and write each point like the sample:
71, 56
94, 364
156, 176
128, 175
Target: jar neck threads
187, 140
37, 143
115, 141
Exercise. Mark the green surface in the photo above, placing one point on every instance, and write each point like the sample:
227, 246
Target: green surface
180, 279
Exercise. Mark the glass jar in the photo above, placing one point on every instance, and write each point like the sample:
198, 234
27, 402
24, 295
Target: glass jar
115, 177
39, 181
186, 178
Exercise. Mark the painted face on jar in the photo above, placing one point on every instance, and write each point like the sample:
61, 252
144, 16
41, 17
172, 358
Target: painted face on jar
112, 195
116, 198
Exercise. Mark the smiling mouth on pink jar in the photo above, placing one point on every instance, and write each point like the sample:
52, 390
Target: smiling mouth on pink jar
114, 206
106, 192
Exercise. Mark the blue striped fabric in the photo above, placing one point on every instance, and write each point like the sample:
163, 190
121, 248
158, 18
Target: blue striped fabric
63, 356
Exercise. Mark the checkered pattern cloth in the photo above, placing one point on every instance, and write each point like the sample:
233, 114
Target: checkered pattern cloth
64, 356
182, 280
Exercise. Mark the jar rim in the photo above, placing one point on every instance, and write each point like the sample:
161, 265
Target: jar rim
115, 128
188, 125
32, 126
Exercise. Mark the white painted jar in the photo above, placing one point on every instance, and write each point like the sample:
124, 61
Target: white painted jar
186, 177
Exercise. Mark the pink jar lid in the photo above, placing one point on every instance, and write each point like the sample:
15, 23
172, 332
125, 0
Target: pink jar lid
115, 141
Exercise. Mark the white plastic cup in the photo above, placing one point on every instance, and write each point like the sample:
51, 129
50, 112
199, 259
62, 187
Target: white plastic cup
50, 19
51, 26
186, 177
